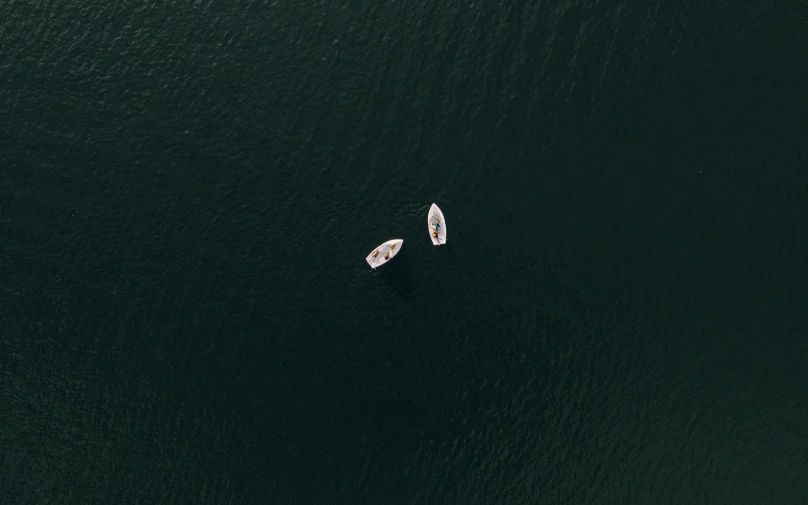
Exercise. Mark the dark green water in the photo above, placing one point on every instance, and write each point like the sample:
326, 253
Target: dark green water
188, 191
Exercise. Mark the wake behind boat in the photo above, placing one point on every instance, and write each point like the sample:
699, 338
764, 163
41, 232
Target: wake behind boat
437, 225
384, 252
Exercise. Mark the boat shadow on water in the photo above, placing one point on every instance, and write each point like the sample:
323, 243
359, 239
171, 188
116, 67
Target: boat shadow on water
396, 275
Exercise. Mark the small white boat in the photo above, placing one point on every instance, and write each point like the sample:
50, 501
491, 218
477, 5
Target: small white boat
384, 252
437, 225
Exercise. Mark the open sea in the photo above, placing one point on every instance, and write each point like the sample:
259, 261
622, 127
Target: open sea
188, 191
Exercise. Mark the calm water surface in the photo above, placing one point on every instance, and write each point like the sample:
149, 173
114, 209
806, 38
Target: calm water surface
188, 191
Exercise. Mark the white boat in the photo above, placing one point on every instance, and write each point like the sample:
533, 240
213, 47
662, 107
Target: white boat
384, 252
437, 225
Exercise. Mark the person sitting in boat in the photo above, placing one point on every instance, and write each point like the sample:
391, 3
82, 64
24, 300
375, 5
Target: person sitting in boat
387, 256
392, 247
435, 234
375, 253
